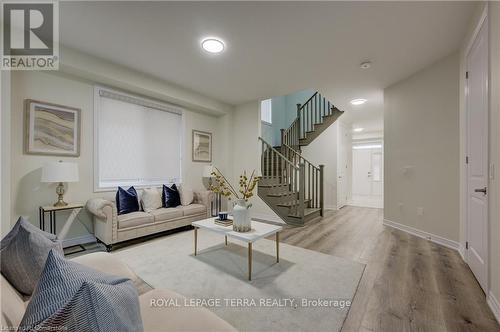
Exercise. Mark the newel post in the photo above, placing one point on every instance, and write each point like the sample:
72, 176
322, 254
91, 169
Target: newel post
282, 137
302, 188
321, 189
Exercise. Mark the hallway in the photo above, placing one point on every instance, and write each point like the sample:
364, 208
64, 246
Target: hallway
408, 284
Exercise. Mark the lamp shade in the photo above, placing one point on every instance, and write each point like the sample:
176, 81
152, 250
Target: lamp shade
207, 171
60, 172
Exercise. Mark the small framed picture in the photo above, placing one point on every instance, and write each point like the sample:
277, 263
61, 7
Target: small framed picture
202, 146
51, 129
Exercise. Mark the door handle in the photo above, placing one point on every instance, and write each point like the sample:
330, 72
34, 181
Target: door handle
483, 190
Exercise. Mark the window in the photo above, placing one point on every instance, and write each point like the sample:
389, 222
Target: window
266, 112
137, 141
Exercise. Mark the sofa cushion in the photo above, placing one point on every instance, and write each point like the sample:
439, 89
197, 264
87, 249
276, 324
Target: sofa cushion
171, 196
127, 200
23, 256
166, 214
134, 219
179, 319
192, 209
105, 262
12, 303
74, 297
151, 199
187, 195
21, 222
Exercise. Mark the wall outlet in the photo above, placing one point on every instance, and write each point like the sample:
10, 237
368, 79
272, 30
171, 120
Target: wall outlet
420, 211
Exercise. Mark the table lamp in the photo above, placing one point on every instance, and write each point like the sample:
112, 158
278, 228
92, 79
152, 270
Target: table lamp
60, 172
207, 171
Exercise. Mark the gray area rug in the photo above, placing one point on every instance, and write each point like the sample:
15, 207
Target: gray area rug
281, 296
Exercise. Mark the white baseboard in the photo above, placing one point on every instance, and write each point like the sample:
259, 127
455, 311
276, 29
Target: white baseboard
461, 251
494, 305
425, 235
78, 240
331, 207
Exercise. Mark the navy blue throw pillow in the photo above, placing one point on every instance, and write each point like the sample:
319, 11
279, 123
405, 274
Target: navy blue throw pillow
126, 200
171, 197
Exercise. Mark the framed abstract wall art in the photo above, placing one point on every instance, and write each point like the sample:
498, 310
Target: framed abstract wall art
51, 129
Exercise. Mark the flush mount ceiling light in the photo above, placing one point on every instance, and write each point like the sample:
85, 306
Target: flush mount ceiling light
212, 45
365, 65
358, 129
359, 101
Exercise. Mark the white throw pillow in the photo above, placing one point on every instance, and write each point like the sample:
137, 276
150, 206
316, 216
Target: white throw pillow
187, 196
151, 199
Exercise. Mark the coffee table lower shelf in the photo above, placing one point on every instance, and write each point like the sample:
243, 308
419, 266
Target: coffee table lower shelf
259, 231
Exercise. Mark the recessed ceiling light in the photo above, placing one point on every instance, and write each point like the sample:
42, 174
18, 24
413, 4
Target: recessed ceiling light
212, 45
359, 101
365, 65
358, 129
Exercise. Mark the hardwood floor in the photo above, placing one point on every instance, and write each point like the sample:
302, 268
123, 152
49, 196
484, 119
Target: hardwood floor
409, 284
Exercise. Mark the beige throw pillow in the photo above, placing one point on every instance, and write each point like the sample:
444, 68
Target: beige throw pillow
151, 199
187, 196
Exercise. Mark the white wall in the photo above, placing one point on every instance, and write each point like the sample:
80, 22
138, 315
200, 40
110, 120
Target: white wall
421, 130
246, 152
5, 113
494, 185
323, 151
28, 193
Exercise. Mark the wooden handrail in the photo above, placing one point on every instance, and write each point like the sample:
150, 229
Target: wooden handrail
308, 100
277, 152
299, 155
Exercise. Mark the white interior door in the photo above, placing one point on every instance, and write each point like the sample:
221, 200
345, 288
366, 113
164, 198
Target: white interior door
477, 155
367, 175
361, 172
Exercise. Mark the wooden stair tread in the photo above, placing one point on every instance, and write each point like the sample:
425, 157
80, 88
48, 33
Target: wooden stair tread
284, 193
292, 203
307, 212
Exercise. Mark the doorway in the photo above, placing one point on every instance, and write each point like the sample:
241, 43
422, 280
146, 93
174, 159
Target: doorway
367, 174
476, 253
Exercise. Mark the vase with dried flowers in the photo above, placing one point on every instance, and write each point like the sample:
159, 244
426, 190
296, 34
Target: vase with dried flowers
241, 212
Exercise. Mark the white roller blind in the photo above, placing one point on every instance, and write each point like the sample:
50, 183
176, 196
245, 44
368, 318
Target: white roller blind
138, 142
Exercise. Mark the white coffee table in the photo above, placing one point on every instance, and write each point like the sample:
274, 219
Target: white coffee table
259, 231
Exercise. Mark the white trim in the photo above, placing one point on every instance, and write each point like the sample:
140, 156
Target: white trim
78, 240
422, 234
461, 251
494, 305
477, 28
367, 205
331, 207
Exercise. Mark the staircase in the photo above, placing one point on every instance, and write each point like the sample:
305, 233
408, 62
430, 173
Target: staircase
291, 185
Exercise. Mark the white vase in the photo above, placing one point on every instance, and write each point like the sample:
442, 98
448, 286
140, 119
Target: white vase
241, 216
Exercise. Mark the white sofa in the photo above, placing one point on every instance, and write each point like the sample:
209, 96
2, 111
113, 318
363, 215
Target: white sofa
111, 228
154, 319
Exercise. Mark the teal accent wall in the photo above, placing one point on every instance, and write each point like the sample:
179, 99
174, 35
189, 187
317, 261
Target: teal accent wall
284, 111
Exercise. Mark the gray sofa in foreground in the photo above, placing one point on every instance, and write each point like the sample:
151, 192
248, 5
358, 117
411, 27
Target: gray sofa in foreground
111, 228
